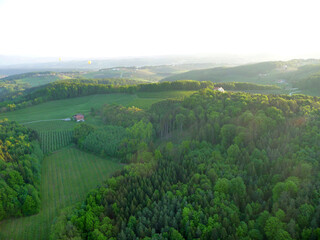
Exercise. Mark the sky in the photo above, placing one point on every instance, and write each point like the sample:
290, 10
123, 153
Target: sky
124, 28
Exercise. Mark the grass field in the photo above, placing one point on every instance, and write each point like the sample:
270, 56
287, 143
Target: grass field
61, 109
66, 178
38, 81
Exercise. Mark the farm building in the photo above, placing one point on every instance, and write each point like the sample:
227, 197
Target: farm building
78, 117
220, 89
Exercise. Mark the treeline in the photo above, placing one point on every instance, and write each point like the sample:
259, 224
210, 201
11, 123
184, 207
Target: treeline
218, 166
61, 90
82, 87
20, 157
13, 92
192, 85
184, 85
243, 86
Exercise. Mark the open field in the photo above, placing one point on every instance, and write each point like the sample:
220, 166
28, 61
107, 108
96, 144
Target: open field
61, 109
67, 107
66, 178
37, 81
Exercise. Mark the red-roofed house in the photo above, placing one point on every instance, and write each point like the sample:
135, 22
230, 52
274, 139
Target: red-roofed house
78, 117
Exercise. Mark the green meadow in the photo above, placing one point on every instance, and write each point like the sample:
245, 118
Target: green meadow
60, 109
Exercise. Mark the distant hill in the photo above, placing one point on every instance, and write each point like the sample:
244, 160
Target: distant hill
295, 76
288, 75
260, 72
226, 74
146, 73
17, 82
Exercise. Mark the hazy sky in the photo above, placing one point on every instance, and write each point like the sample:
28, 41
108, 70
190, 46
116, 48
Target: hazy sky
114, 28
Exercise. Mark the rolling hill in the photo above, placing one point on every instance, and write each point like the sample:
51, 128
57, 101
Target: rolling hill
10, 83
288, 75
146, 73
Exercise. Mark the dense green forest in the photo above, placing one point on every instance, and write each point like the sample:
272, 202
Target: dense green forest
20, 157
212, 166
310, 83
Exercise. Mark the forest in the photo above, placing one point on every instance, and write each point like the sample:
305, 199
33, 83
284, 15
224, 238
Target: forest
20, 159
311, 82
214, 165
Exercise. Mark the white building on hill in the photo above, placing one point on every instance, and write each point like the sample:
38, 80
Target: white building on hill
220, 89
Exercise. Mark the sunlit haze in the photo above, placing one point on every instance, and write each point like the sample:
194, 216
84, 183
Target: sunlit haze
103, 29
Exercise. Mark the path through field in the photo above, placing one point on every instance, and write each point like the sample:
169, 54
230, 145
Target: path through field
66, 178
49, 120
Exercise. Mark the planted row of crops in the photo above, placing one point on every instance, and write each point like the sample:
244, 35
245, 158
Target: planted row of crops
54, 140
